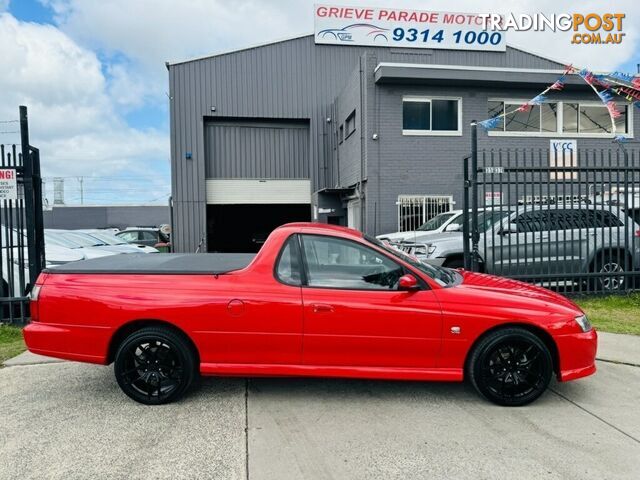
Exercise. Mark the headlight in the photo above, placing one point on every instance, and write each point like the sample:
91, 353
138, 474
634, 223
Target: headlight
584, 323
431, 249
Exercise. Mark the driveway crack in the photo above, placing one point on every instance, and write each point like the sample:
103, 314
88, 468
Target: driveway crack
596, 416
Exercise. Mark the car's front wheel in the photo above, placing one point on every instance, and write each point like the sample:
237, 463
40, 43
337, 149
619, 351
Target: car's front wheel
510, 367
155, 365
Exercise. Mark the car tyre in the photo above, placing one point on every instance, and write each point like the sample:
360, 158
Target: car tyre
611, 264
454, 263
510, 367
155, 365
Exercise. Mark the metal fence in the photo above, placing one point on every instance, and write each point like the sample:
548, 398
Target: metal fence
415, 210
21, 228
562, 218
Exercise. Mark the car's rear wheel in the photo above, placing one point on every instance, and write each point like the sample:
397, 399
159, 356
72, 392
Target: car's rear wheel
511, 367
155, 365
612, 268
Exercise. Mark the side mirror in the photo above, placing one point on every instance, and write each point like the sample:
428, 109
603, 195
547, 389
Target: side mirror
408, 283
453, 227
509, 229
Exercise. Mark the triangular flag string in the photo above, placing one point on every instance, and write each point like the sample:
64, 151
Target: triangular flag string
605, 86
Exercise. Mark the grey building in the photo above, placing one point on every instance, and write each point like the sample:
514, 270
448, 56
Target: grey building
369, 137
107, 216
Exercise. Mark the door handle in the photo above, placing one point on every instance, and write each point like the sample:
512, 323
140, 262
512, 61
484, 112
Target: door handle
321, 308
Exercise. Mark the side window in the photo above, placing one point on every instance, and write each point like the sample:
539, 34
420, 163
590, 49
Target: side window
129, 236
288, 268
151, 236
532, 222
336, 263
603, 218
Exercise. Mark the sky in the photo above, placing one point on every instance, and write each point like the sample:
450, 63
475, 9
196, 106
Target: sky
93, 75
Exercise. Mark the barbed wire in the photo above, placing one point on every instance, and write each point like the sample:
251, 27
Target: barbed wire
9, 131
9, 121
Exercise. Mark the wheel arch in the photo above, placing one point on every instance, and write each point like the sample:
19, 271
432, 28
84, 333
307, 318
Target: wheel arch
132, 326
540, 332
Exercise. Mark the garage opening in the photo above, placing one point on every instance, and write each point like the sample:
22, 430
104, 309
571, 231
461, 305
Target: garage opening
244, 228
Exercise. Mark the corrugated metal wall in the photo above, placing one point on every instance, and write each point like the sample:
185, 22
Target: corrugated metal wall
294, 79
257, 150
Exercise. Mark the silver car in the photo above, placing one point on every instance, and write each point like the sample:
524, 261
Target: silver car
543, 241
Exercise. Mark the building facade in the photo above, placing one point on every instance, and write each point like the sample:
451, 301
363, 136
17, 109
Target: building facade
369, 137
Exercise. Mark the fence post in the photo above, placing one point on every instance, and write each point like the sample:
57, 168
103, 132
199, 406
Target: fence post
465, 214
475, 234
35, 260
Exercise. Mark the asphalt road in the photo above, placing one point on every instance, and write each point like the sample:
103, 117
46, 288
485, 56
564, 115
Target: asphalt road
69, 420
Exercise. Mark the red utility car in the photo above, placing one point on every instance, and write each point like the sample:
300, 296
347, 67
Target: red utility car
317, 300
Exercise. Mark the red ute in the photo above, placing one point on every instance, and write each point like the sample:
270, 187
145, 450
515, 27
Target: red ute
317, 300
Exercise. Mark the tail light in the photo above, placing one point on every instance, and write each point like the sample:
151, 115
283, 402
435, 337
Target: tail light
34, 295
637, 233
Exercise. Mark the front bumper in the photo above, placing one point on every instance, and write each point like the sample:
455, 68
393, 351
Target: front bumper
577, 355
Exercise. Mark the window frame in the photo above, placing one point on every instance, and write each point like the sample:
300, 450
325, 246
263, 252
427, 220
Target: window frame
351, 119
431, 132
559, 120
422, 285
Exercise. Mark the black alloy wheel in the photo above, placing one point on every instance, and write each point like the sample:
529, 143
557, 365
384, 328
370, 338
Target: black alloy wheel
511, 367
155, 365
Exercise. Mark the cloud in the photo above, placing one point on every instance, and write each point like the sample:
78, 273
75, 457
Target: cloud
150, 32
73, 118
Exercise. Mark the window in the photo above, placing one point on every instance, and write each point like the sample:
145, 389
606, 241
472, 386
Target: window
336, 263
431, 116
149, 236
554, 118
288, 269
129, 236
350, 124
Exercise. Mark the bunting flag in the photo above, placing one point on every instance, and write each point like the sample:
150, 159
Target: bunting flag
606, 86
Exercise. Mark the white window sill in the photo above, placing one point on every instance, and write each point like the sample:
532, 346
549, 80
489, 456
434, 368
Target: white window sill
432, 133
556, 135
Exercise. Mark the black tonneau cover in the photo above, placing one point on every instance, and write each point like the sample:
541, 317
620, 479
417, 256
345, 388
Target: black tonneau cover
160, 263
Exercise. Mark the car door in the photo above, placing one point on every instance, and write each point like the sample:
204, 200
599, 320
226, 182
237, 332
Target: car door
520, 246
354, 314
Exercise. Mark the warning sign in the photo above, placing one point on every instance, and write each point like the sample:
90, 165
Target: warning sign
8, 184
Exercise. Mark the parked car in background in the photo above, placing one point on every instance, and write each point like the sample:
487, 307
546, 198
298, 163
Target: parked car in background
62, 239
361, 309
89, 241
152, 237
109, 238
15, 260
446, 221
446, 248
549, 239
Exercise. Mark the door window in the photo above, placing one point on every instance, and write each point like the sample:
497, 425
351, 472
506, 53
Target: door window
129, 236
335, 263
148, 236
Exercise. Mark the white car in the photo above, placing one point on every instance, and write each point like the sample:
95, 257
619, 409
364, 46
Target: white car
111, 239
55, 237
12, 262
450, 221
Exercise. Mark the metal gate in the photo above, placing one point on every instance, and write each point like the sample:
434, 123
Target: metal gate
414, 210
21, 226
566, 219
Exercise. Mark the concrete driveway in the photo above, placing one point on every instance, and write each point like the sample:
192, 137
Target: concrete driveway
69, 420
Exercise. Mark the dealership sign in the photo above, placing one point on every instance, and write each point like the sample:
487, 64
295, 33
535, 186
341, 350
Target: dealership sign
563, 154
396, 27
